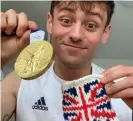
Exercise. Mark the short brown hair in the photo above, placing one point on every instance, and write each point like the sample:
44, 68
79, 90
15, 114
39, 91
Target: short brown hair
86, 6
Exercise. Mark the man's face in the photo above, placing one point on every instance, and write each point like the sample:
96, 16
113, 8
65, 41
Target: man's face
76, 34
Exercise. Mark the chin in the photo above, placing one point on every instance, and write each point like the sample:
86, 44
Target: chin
73, 62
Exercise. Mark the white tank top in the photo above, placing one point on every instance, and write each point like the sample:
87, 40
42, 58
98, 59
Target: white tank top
41, 99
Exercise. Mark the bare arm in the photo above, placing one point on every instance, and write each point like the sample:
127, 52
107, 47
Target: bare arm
10, 86
10, 47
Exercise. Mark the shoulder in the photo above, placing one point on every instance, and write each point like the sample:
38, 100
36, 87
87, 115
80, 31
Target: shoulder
96, 69
123, 112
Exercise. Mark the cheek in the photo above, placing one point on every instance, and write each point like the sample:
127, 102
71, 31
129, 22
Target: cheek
59, 34
58, 30
55, 41
93, 41
95, 38
56, 35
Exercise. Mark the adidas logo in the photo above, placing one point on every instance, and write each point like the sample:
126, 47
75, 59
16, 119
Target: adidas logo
40, 104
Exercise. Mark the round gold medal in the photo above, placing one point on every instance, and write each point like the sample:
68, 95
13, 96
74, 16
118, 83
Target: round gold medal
34, 60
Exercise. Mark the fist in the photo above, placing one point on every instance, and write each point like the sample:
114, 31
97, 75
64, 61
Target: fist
15, 34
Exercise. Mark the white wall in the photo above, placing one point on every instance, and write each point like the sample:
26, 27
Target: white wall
108, 63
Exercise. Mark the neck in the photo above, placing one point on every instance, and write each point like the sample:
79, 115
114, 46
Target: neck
69, 73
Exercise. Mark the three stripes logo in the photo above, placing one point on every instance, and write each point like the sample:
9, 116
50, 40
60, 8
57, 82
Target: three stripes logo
40, 104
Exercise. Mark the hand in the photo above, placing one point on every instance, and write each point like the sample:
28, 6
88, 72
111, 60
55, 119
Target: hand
13, 44
122, 88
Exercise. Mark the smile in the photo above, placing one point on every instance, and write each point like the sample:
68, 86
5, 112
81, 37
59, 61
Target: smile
74, 46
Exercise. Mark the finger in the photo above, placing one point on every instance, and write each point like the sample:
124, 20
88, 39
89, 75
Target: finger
116, 73
108, 85
26, 37
32, 25
3, 21
127, 93
22, 24
11, 21
120, 85
23, 41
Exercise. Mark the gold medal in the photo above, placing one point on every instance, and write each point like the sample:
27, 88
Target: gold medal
34, 60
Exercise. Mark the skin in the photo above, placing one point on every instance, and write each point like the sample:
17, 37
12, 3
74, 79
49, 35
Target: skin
10, 21
75, 38
10, 84
75, 41
70, 29
120, 89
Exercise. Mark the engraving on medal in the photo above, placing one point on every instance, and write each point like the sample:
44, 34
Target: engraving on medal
32, 63
34, 59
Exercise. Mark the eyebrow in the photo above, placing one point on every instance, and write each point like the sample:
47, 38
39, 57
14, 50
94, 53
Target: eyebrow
87, 13
95, 14
66, 9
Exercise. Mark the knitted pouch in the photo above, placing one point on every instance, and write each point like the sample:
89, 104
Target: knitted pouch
85, 99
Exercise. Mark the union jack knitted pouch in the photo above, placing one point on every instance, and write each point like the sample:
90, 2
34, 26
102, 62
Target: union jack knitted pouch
85, 99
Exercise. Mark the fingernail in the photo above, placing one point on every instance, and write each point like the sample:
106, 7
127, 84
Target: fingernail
108, 87
103, 79
8, 32
108, 91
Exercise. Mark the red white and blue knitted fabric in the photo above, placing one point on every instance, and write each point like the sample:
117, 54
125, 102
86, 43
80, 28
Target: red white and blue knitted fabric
85, 99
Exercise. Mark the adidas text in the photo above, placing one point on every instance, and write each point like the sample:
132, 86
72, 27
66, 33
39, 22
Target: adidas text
40, 107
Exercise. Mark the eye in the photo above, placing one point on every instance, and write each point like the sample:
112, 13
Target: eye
91, 26
66, 21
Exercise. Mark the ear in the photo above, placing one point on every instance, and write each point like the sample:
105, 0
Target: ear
106, 34
49, 23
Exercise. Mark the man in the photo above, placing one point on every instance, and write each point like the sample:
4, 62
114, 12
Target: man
77, 29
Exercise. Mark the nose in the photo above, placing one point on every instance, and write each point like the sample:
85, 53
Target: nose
76, 32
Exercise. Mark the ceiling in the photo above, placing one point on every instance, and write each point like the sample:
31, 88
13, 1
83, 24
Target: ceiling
120, 44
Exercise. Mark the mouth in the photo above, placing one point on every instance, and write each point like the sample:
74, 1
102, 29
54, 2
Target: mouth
74, 46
